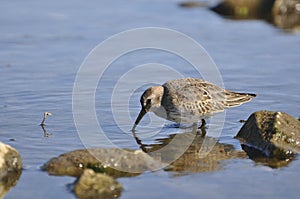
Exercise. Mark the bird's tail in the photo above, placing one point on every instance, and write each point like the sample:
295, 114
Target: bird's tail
236, 99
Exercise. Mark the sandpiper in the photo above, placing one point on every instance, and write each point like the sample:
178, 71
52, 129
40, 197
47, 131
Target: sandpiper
188, 100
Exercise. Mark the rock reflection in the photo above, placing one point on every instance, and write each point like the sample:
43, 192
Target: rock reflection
7, 181
192, 159
282, 160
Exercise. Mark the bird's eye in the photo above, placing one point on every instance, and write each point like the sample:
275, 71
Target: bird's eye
148, 104
148, 101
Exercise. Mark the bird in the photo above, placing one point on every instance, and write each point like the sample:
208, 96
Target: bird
188, 100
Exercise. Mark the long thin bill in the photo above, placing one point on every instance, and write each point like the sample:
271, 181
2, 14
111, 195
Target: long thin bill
138, 119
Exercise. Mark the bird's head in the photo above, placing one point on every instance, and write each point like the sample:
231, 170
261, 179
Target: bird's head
150, 101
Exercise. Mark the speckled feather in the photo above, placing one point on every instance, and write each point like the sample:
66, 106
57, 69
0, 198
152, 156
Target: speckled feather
190, 99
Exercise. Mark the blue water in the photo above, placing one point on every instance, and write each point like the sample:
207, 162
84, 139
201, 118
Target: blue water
43, 44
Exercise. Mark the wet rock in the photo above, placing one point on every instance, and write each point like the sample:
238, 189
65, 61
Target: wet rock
96, 185
286, 14
276, 134
245, 9
114, 162
10, 168
10, 159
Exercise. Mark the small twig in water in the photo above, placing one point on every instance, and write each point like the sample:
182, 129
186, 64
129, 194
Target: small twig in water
44, 118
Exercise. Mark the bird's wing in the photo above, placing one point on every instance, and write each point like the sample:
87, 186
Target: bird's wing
197, 95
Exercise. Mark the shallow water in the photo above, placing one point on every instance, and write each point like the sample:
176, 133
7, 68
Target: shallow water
42, 46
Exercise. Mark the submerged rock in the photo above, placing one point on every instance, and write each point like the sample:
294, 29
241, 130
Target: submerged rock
114, 162
275, 134
10, 168
96, 185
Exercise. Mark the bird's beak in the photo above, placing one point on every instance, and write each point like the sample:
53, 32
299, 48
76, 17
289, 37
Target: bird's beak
138, 119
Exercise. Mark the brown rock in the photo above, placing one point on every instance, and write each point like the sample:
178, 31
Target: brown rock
245, 9
112, 161
10, 159
92, 185
276, 134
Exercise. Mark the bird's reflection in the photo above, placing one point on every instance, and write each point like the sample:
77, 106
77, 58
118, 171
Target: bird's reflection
139, 142
192, 158
195, 129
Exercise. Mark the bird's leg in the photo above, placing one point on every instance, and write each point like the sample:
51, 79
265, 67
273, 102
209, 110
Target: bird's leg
202, 124
203, 128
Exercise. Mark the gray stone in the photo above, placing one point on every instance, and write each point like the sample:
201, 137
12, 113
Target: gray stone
92, 185
112, 161
276, 134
